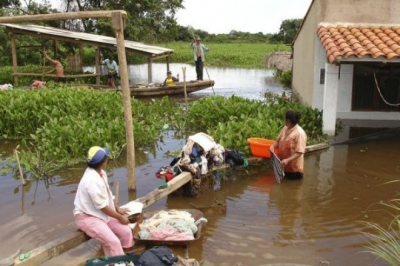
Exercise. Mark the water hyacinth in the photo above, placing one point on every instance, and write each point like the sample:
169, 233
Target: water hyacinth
59, 123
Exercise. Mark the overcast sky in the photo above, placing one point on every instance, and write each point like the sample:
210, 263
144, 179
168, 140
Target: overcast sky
222, 16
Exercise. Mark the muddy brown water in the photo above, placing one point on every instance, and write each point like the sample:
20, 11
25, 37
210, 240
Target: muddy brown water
299, 222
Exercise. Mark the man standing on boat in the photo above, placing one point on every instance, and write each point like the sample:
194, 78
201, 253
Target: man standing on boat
112, 69
198, 54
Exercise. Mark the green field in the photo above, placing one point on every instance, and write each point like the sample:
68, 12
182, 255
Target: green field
243, 55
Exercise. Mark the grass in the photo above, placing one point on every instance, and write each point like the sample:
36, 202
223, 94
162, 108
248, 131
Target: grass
236, 55
384, 243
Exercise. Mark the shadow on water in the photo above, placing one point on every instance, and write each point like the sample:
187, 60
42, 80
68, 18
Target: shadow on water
301, 222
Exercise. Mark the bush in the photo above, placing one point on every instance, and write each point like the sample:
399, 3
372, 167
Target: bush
286, 79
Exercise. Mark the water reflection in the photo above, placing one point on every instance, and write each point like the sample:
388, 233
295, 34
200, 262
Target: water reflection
246, 83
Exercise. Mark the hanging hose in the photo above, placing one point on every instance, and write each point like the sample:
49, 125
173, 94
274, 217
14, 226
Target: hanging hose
278, 169
383, 99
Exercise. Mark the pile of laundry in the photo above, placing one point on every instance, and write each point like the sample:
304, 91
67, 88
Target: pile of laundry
170, 225
37, 84
6, 87
201, 153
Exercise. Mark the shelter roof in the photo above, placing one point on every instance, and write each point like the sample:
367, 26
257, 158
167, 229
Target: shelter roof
363, 42
87, 38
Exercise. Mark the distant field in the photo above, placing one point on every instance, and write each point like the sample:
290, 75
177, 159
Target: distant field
243, 55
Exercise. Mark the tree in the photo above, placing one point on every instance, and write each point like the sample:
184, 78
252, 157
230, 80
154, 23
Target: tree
147, 20
288, 30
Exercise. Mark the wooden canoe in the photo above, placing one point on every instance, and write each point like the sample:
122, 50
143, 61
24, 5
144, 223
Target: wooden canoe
196, 214
156, 90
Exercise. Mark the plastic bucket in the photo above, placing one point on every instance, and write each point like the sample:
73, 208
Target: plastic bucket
259, 147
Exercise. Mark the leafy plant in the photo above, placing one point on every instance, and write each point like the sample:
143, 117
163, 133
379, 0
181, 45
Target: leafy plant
384, 243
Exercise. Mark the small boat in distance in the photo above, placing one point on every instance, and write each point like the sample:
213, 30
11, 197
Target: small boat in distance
156, 89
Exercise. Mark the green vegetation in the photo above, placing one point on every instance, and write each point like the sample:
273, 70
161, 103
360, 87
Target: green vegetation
384, 243
286, 79
242, 55
58, 124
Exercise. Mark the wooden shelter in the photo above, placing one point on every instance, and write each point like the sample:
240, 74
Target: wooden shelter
81, 38
117, 18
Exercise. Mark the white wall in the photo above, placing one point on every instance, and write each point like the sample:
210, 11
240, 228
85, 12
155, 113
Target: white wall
318, 89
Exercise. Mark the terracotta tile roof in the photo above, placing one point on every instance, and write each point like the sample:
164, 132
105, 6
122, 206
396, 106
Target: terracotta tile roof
360, 41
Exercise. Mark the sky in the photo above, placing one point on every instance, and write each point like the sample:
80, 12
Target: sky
222, 16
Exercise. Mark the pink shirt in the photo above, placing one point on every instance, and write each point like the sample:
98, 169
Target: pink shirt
289, 142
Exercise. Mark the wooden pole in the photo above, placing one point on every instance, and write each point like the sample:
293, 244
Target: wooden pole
62, 16
167, 59
117, 192
23, 182
14, 58
208, 76
184, 87
97, 58
118, 24
149, 70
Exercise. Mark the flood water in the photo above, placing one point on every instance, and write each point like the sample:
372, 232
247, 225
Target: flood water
304, 222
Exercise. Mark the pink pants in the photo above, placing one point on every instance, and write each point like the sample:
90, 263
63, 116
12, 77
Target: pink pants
113, 235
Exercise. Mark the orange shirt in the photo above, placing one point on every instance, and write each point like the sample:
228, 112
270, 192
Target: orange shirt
289, 142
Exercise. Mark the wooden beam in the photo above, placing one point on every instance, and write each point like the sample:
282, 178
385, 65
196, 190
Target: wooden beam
118, 24
167, 59
317, 147
14, 57
97, 64
62, 16
54, 75
53, 248
173, 185
149, 70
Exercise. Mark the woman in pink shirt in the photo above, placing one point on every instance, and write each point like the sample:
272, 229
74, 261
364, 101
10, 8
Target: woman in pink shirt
291, 143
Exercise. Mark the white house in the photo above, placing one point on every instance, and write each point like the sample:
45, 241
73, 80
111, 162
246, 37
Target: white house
346, 60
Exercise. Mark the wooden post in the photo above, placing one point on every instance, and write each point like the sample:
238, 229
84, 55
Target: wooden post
184, 87
81, 57
119, 24
117, 192
149, 70
14, 58
97, 65
55, 50
167, 59
23, 182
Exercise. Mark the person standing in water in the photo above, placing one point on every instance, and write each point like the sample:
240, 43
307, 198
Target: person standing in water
291, 143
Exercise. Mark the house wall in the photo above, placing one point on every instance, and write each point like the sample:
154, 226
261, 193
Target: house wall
303, 59
360, 11
320, 60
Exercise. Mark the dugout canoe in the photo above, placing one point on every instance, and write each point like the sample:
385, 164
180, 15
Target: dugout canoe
156, 90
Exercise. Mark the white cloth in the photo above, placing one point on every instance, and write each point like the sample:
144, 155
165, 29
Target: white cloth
93, 194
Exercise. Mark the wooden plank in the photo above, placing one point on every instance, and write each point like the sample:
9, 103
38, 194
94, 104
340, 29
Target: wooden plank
54, 75
317, 147
53, 248
61, 16
158, 194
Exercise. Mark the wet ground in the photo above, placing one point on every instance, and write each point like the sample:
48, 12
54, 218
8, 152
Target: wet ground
300, 222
